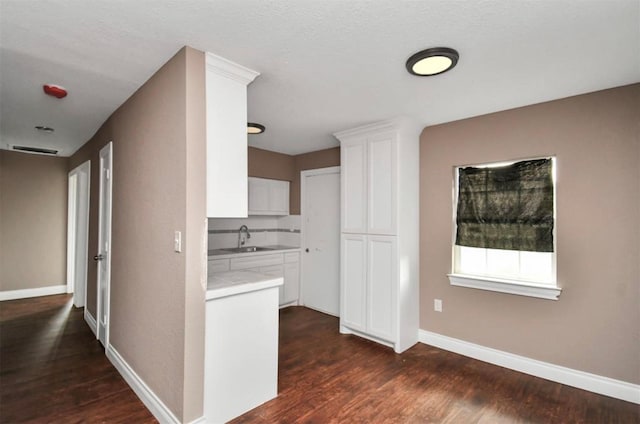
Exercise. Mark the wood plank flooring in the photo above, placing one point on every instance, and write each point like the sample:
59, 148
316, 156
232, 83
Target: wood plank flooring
52, 370
326, 377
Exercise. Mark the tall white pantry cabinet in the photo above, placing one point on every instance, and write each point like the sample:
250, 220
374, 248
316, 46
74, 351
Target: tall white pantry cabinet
379, 274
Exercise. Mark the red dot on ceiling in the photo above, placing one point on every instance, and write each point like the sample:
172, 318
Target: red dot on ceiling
55, 91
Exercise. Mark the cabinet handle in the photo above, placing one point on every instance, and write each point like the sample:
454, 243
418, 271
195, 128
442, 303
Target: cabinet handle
306, 250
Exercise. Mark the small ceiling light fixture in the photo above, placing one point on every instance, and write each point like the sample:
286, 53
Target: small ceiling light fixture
432, 61
44, 129
253, 128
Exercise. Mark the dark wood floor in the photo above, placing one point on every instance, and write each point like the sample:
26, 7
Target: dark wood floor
53, 370
326, 377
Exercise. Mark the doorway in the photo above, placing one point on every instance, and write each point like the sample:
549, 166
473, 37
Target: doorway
78, 233
320, 209
103, 257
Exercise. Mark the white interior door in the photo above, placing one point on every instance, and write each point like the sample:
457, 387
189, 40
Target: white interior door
320, 274
103, 257
78, 233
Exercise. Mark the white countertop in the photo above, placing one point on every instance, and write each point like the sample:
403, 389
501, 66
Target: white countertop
228, 283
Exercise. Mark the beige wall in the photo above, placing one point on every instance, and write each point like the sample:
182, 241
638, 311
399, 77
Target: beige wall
33, 221
157, 295
595, 325
267, 164
279, 166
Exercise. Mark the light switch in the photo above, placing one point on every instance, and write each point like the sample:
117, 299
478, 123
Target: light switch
437, 305
177, 241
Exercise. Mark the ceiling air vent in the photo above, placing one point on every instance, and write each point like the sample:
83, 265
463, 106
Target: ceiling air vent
36, 150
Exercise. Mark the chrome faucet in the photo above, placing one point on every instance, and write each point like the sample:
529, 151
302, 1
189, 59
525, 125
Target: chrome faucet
242, 241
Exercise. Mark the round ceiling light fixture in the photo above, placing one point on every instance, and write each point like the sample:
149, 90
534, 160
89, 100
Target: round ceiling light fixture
253, 128
44, 129
432, 61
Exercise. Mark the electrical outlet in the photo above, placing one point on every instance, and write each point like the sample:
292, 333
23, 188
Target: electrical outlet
437, 305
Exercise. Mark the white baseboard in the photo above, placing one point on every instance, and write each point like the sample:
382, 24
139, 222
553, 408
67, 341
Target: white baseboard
570, 377
159, 410
26, 293
91, 321
200, 420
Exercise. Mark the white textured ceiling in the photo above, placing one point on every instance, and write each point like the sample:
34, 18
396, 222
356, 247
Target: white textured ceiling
325, 65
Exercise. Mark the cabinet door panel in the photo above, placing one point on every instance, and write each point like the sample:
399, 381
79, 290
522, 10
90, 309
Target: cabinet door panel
381, 296
291, 282
279, 197
353, 275
354, 187
382, 184
258, 196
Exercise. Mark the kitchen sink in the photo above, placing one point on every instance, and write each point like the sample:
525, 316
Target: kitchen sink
247, 249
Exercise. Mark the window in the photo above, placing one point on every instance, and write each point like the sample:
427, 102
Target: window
504, 228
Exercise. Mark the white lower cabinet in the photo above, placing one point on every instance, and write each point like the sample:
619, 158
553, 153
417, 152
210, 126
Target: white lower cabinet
241, 353
286, 265
353, 271
291, 287
369, 286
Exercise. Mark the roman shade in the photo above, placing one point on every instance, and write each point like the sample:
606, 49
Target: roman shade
506, 207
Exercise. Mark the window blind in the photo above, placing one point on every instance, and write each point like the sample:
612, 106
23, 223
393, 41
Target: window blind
508, 207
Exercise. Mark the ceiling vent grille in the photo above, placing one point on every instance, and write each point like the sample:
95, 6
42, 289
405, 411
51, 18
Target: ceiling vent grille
35, 150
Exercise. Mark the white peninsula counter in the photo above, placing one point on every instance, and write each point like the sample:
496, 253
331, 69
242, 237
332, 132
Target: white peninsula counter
241, 344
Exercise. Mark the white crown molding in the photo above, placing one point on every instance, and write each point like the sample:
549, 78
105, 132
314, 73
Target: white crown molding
400, 123
37, 292
583, 380
229, 69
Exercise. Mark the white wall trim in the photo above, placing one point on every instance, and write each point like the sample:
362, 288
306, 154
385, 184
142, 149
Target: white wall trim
570, 377
200, 420
521, 288
91, 322
159, 410
37, 292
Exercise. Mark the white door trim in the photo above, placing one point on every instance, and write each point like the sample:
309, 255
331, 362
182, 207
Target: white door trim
104, 244
78, 232
303, 225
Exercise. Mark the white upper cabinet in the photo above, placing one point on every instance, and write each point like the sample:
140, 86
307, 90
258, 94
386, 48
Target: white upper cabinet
369, 183
268, 197
226, 86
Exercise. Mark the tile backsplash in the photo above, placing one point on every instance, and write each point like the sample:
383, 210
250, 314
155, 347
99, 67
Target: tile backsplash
264, 230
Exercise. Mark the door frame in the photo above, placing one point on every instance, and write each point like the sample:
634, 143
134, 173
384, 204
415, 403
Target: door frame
104, 215
303, 226
79, 180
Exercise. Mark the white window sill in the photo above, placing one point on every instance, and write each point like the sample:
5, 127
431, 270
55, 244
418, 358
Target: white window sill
522, 288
